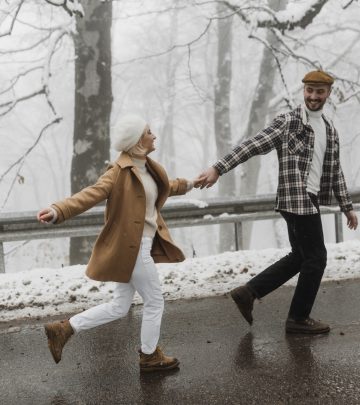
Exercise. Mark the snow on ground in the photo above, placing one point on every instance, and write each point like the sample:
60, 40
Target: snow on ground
43, 292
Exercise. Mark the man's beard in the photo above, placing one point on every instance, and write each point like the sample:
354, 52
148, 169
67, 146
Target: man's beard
319, 105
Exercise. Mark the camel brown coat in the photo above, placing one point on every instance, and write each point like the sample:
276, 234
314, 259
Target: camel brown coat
116, 248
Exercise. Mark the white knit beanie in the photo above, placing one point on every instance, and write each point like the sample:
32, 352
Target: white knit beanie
127, 131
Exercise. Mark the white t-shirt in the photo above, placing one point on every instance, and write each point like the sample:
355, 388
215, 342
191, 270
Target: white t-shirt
318, 125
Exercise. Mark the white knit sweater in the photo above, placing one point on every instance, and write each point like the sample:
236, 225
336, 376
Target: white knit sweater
151, 194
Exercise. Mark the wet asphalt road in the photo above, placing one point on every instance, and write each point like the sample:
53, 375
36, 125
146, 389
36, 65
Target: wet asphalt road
223, 360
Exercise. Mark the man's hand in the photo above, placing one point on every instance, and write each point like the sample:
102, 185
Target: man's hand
352, 221
45, 216
207, 178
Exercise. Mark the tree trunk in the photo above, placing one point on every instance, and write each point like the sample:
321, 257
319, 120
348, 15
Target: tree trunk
222, 122
257, 119
167, 144
93, 101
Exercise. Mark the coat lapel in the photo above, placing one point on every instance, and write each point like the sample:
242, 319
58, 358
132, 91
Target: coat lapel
124, 161
161, 178
155, 169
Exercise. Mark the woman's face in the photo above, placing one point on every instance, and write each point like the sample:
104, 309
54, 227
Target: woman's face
147, 140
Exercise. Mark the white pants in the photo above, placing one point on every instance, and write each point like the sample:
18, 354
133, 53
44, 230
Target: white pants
145, 281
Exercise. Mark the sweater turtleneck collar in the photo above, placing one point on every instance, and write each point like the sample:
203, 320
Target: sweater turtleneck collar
140, 163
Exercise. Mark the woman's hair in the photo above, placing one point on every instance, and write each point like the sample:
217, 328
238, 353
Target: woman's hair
138, 149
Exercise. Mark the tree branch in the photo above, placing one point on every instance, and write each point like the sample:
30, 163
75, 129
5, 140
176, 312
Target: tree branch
285, 23
28, 48
72, 7
46, 75
21, 2
177, 46
13, 103
20, 162
172, 48
289, 99
15, 79
348, 4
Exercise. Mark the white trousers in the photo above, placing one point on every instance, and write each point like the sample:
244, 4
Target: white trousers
144, 280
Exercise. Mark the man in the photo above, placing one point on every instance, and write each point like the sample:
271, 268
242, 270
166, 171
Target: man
307, 146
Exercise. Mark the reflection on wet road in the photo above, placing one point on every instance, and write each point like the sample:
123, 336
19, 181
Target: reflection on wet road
223, 360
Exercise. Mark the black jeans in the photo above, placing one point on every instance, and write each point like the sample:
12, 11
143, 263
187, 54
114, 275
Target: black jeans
308, 256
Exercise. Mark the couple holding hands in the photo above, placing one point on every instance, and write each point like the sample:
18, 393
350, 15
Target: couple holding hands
135, 236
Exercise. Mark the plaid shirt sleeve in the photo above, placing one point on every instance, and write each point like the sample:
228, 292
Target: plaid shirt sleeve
261, 144
339, 186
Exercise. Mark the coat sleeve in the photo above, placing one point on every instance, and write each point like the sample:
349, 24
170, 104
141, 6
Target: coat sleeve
178, 187
86, 198
265, 141
339, 185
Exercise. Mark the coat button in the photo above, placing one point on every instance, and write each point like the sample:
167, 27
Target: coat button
160, 227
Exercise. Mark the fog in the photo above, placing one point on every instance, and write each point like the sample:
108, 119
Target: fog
204, 74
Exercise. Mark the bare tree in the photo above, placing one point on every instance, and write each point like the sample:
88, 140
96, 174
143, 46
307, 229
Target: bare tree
222, 120
16, 98
93, 101
167, 144
258, 116
287, 46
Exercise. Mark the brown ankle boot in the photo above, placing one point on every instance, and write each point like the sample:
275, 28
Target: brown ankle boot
58, 334
157, 361
306, 326
244, 299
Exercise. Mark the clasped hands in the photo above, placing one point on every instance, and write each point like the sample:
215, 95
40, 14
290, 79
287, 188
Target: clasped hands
207, 178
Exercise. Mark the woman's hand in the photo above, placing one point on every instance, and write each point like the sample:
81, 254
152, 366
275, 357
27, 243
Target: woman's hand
196, 183
46, 215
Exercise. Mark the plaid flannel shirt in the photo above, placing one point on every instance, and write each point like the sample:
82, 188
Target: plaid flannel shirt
293, 138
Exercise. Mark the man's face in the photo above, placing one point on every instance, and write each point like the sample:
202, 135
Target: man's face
315, 95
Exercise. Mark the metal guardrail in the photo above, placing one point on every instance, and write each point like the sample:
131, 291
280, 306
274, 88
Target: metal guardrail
24, 225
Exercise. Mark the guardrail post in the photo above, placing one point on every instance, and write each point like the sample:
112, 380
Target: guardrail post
339, 235
2, 258
238, 236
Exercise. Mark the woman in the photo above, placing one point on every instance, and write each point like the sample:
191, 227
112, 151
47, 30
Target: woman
133, 238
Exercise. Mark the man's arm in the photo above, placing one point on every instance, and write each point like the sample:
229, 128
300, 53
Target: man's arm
343, 198
265, 141
342, 195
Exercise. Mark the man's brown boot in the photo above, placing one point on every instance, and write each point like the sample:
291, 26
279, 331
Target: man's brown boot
306, 326
157, 361
244, 299
58, 334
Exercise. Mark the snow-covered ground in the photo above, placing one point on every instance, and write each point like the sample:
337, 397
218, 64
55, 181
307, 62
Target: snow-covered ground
42, 292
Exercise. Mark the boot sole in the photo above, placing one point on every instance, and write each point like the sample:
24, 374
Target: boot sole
307, 332
240, 304
51, 335
159, 368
